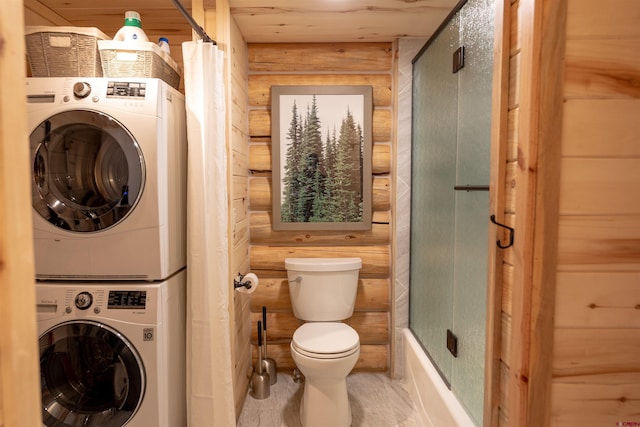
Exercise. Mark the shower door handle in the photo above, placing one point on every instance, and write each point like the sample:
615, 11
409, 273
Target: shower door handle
471, 187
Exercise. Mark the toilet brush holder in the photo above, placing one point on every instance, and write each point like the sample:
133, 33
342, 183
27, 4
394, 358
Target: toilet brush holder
259, 386
268, 364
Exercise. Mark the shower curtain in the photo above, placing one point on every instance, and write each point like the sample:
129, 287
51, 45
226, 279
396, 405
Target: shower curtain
210, 400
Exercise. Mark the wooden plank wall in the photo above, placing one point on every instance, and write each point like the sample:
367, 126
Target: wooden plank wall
239, 234
220, 25
592, 290
596, 368
321, 64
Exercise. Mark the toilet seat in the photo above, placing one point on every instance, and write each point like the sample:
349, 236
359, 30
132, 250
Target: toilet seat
325, 340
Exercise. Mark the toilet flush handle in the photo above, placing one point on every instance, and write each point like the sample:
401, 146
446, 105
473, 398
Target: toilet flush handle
297, 279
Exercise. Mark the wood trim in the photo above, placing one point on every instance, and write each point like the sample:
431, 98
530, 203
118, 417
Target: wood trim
499, 144
548, 134
19, 356
542, 25
522, 85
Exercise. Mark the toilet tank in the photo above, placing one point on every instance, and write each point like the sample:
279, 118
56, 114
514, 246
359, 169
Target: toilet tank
323, 289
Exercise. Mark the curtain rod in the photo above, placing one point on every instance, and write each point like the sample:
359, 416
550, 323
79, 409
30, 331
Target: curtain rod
197, 28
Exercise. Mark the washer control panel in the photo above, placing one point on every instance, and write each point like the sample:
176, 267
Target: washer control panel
127, 299
136, 303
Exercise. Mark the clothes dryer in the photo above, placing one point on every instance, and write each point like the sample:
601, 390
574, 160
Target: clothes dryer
112, 353
109, 178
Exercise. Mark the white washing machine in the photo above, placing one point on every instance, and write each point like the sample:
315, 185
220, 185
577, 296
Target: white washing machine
109, 178
113, 354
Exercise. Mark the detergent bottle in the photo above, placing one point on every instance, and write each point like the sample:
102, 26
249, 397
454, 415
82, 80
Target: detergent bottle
132, 30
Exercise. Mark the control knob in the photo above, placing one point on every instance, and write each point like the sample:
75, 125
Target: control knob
84, 300
81, 89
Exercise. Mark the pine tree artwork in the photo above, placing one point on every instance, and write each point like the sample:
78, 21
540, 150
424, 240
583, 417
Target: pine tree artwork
323, 157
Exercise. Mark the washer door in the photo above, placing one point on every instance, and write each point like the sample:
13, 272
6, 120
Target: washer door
88, 170
91, 376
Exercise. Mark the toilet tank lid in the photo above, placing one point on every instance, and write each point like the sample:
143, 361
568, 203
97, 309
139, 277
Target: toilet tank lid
322, 264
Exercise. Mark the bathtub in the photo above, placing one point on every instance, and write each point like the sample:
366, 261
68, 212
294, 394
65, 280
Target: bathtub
436, 404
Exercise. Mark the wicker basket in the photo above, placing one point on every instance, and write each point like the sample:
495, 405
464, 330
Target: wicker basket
64, 51
142, 59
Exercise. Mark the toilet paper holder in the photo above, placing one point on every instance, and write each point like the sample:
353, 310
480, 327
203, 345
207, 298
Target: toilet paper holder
239, 282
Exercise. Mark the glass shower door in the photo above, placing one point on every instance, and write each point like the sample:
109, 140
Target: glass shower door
472, 207
450, 222
433, 157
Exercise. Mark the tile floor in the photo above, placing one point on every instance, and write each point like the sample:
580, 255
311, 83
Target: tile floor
376, 401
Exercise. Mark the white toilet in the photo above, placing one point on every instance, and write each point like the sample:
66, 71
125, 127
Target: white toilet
325, 350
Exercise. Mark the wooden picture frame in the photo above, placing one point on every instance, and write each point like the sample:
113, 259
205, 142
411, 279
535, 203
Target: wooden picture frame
321, 157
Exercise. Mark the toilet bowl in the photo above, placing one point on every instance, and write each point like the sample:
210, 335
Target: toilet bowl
325, 353
325, 350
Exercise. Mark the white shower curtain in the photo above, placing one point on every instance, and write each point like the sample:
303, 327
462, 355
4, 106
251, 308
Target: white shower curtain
210, 400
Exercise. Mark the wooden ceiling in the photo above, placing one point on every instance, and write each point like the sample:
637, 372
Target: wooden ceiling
338, 20
261, 21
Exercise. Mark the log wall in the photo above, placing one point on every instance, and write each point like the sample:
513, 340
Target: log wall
321, 64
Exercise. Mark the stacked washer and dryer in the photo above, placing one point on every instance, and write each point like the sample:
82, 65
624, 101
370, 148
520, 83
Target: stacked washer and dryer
109, 221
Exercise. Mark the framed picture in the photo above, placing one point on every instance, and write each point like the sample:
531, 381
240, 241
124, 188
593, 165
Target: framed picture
321, 151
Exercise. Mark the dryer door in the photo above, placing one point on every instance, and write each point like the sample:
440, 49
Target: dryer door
91, 376
88, 170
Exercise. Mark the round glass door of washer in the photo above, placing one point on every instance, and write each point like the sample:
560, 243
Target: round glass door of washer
90, 375
88, 171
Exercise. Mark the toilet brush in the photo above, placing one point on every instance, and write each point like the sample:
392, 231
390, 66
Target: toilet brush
268, 364
259, 379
